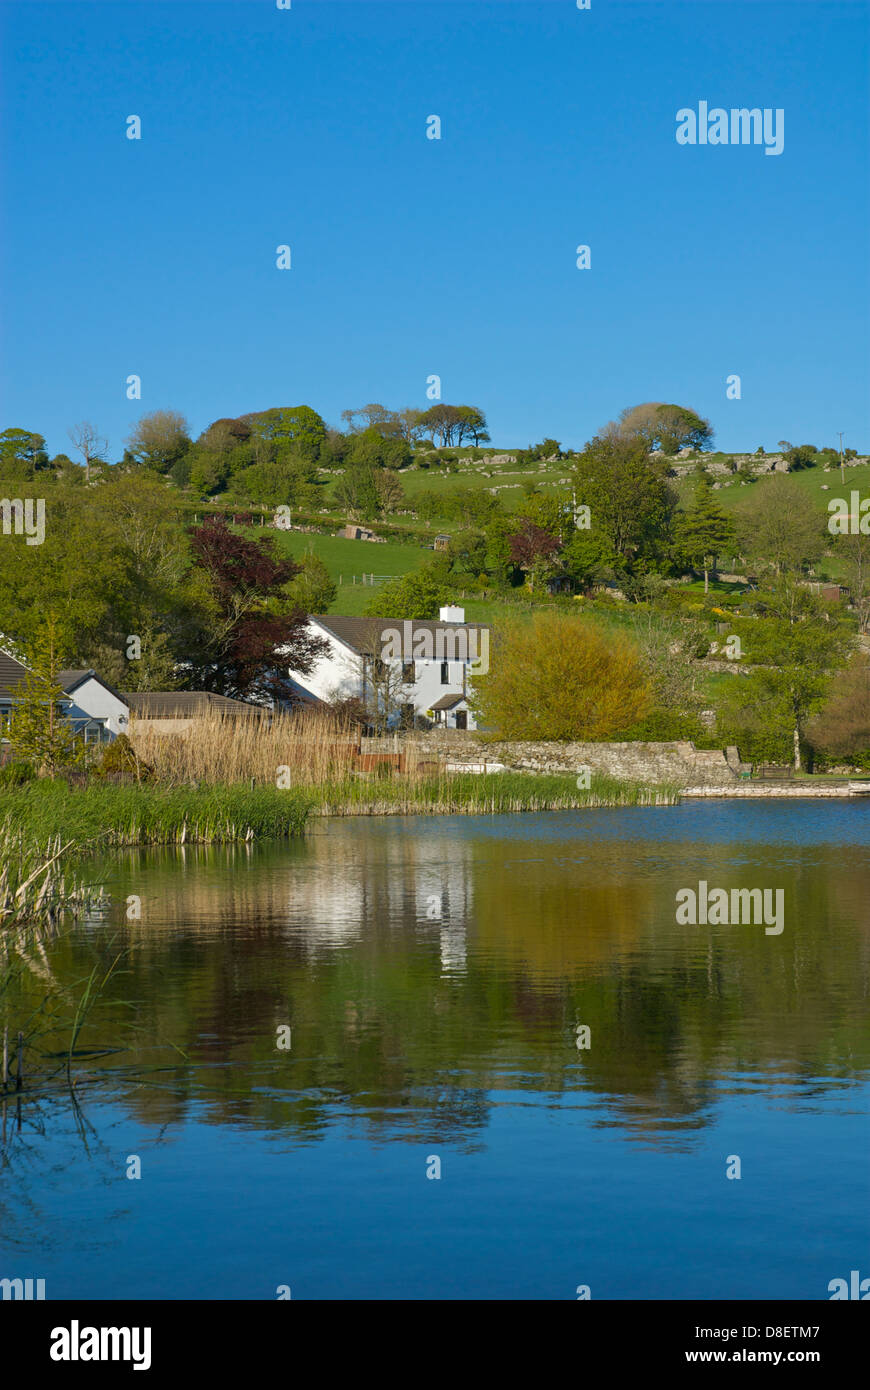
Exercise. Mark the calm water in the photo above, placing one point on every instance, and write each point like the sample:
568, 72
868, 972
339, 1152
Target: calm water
433, 973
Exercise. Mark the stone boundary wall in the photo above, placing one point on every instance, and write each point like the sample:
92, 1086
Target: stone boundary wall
679, 762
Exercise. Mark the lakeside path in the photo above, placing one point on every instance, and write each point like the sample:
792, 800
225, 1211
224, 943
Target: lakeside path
769, 790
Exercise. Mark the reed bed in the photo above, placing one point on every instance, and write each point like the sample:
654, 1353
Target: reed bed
219, 750
100, 815
481, 794
36, 885
240, 779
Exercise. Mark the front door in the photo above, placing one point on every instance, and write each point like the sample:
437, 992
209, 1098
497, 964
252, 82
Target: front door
461, 719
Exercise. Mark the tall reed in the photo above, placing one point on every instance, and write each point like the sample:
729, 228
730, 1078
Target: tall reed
221, 749
107, 815
482, 794
36, 887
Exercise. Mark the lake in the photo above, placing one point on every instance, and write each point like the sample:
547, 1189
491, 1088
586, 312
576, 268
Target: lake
509, 1072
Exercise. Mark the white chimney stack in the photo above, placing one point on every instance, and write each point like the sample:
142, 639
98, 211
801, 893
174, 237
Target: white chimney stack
451, 614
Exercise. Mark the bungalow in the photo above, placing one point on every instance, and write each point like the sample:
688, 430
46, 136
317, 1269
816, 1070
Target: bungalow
94, 709
398, 667
173, 711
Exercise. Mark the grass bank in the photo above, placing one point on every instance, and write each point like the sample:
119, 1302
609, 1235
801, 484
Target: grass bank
99, 815
107, 815
480, 794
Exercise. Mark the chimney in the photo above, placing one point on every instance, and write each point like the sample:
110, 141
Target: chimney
450, 614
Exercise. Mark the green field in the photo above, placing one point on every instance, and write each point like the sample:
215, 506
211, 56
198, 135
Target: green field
347, 562
817, 484
812, 481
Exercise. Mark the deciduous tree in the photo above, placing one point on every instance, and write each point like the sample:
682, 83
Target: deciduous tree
780, 527
254, 637
559, 677
159, 440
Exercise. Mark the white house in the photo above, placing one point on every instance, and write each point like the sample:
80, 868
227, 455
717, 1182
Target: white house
93, 702
402, 667
94, 709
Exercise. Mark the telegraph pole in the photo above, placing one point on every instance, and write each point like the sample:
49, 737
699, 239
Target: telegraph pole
842, 464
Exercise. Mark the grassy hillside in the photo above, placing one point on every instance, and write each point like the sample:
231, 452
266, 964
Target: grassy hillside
812, 481
347, 561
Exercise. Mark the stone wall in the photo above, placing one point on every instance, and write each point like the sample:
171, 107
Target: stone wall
679, 762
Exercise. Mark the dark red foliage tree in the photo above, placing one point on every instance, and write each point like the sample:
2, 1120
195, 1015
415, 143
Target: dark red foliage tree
532, 543
255, 638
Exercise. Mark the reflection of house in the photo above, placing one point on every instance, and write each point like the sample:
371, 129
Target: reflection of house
94, 709
398, 667
173, 711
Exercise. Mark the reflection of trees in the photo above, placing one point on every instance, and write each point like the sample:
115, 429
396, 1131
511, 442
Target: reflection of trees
332, 937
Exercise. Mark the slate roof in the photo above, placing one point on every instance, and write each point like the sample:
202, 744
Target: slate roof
359, 633
12, 673
183, 704
447, 702
70, 680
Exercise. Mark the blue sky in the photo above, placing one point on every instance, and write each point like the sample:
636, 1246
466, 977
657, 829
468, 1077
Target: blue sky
413, 257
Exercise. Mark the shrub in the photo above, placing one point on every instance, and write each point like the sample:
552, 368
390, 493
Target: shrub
559, 677
842, 728
16, 774
119, 759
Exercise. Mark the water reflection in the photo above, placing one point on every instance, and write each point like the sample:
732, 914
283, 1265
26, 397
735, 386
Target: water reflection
416, 959
434, 974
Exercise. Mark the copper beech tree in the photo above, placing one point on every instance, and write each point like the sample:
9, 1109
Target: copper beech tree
254, 633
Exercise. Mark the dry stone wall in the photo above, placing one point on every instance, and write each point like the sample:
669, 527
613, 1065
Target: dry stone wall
679, 762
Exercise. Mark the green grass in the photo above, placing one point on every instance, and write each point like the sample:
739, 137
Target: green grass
483, 794
345, 559
808, 480
98, 815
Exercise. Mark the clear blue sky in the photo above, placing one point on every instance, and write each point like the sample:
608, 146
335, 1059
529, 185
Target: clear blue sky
410, 256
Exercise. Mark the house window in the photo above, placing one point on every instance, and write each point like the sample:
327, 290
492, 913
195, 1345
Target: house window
95, 732
445, 673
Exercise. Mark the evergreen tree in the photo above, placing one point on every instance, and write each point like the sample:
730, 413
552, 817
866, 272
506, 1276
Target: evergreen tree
38, 729
703, 532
